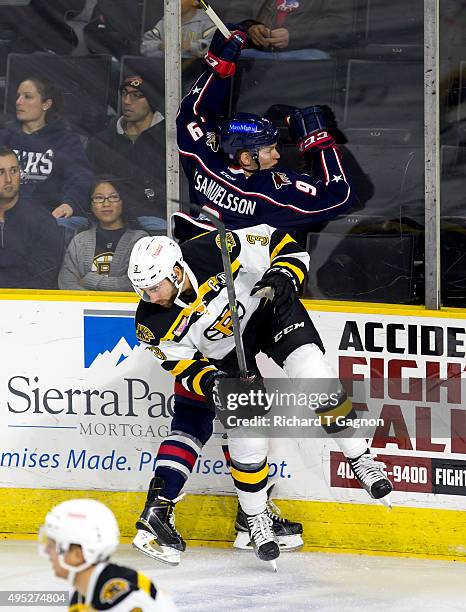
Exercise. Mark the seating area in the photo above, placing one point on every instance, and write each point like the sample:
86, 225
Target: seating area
374, 82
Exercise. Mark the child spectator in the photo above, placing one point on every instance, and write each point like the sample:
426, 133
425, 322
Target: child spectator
196, 33
97, 259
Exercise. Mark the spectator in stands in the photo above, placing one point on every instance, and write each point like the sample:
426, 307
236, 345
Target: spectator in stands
294, 29
31, 243
132, 147
196, 33
55, 172
97, 259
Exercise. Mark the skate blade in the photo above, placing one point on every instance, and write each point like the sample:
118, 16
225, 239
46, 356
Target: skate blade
386, 501
274, 565
286, 543
148, 545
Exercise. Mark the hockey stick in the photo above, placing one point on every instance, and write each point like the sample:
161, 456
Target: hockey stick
243, 369
214, 18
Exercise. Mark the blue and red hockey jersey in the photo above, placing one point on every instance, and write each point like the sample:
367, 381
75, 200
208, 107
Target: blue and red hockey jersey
279, 197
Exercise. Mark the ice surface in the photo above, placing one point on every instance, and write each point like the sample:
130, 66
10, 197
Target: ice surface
219, 579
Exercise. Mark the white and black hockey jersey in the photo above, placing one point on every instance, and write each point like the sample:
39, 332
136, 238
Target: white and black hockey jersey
188, 340
120, 589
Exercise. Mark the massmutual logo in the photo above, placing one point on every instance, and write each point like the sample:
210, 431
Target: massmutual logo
109, 337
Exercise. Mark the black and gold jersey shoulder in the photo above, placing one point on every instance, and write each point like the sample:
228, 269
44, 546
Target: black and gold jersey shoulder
153, 322
204, 256
113, 586
285, 252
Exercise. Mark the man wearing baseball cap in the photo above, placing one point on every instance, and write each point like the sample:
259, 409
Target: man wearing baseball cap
132, 147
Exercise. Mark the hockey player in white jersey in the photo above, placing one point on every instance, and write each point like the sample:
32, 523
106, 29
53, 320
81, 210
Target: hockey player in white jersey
78, 537
185, 318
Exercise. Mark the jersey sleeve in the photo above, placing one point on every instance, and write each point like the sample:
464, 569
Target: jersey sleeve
298, 200
285, 252
264, 247
199, 110
189, 367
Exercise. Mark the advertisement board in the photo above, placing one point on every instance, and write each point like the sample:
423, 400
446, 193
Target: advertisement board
84, 406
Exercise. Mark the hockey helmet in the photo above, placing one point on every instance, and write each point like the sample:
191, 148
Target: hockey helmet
85, 522
245, 131
152, 260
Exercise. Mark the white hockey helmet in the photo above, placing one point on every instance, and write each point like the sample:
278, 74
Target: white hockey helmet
152, 260
85, 522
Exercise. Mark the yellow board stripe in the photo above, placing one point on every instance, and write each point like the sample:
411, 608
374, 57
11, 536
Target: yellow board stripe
79, 607
144, 583
341, 410
284, 241
329, 526
402, 310
299, 273
197, 379
250, 477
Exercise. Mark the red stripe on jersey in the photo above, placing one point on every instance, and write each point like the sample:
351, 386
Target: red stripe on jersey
180, 390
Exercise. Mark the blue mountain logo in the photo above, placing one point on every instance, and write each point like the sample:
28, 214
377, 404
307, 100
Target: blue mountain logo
109, 334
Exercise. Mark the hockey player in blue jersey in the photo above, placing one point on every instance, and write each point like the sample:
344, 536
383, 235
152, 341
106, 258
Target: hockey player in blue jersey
231, 164
231, 168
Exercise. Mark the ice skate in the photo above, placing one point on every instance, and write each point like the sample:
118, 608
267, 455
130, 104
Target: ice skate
372, 478
288, 533
157, 536
263, 538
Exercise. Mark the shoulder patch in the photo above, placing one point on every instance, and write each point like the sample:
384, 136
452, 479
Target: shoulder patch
280, 179
231, 243
157, 352
144, 333
113, 589
212, 141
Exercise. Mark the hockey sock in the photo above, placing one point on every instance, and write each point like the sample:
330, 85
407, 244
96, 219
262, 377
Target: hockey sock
226, 450
251, 485
175, 461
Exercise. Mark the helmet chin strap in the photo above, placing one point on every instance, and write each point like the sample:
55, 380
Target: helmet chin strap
179, 287
179, 284
255, 157
72, 569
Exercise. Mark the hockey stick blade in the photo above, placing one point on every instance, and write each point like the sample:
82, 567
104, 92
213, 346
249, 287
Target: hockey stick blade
214, 18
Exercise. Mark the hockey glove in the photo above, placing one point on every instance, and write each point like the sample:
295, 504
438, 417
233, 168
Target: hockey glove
284, 287
228, 395
309, 128
224, 53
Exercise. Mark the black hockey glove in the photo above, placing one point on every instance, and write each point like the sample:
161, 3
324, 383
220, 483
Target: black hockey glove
230, 396
212, 391
309, 128
285, 290
224, 52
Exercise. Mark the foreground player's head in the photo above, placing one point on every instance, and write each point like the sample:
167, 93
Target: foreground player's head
251, 141
158, 272
76, 535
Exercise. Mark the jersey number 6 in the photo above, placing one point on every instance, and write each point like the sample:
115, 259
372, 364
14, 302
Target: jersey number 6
195, 131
